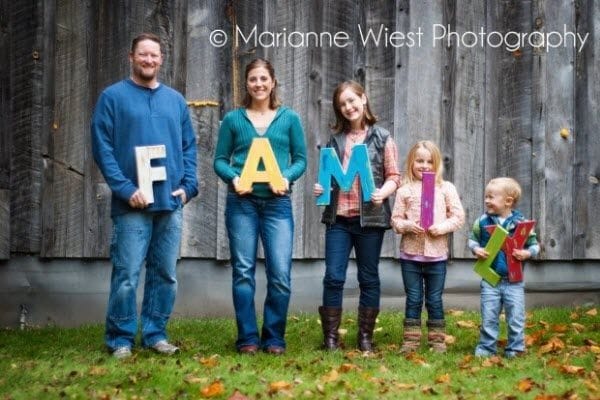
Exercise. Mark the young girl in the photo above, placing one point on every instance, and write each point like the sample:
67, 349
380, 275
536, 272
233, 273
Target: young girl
423, 253
352, 223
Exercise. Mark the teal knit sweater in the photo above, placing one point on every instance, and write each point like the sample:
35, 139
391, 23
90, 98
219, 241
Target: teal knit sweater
285, 135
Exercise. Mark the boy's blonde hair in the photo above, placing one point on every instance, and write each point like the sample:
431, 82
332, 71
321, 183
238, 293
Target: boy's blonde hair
509, 186
436, 157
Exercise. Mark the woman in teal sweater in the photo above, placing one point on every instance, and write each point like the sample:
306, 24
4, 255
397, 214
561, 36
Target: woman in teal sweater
261, 210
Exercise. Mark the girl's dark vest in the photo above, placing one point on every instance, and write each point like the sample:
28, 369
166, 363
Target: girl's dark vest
370, 215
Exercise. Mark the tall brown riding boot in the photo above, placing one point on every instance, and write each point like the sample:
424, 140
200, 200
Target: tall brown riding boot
412, 335
330, 322
367, 317
437, 335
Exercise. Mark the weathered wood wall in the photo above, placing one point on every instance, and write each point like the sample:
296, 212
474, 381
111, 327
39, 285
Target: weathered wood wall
493, 112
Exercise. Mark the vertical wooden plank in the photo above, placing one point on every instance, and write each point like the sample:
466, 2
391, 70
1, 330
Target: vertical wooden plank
380, 70
5, 114
205, 67
314, 233
513, 128
4, 224
586, 186
401, 133
466, 100
5, 137
63, 207
424, 84
291, 66
31, 35
553, 105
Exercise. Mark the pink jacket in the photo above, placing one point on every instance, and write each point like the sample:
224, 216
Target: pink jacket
448, 213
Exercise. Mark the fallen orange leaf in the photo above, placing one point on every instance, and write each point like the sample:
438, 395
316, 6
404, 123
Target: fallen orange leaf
553, 345
525, 385
591, 387
572, 369
405, 386
97, 371
347, 367
443, 379
560, 328
330, 377
214, 389
574, 316
491, 361
593, 312
191, 378
278, 386
237, 395
534, 338
466, 324
578, 327
210, 362
466, 360
546, 397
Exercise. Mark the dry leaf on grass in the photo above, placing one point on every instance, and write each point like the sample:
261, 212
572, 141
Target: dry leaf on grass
577, 327
466, 324
213, 390
193, 379
525, 385
560, 328
553, 345
345, 367
331, 376
275, 387
572, 370
237, 395
95, 370
592, 313
443, 379
405, 386
210, 362
491, 361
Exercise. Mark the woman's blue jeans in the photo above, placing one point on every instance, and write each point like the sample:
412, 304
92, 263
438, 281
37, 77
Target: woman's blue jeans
340, 238
424, 279
155, 239
247, 218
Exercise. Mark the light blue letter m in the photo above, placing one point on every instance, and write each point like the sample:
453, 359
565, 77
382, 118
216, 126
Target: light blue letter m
330, 166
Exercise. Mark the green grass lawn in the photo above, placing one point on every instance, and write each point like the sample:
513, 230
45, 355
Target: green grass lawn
563, 362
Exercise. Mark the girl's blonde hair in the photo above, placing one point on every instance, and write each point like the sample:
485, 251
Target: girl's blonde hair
436, 157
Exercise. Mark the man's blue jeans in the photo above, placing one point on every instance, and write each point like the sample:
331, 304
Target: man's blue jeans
428, 278
340, 238
155, 238
247, 218
512, 297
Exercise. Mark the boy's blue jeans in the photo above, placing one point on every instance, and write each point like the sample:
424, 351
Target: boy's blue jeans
424, 279
512, 297
138, 237
247, 218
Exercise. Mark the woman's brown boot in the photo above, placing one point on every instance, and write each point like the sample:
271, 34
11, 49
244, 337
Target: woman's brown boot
330, 322
367, 316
